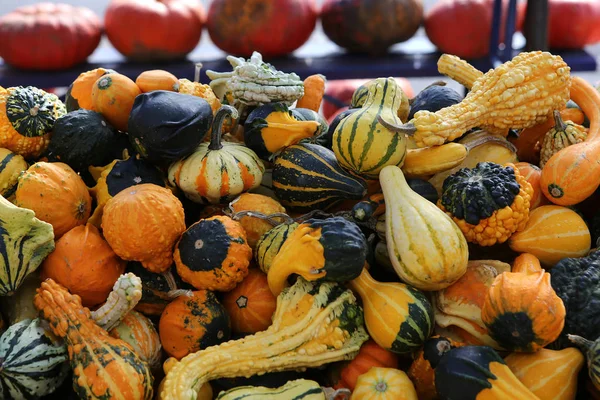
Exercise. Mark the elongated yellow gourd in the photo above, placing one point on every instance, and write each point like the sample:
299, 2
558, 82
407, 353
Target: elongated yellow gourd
426, 247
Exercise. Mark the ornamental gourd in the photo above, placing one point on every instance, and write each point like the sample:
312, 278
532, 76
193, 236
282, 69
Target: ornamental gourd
592, 354
488, 203
522, 312
333, 249
270, 243
430, 252
213, 254
79, 93
113, 96
508, 96
532, 173
27, 116
11, 167
25, 242
384, 384
298, 389
361, 144
126, 293
102, 366
157, 79
57, 195
192, 322
84, 263
142, 223
218, 171
562, 135
315, 323
33, 362
139, 332
245, 206
399, 318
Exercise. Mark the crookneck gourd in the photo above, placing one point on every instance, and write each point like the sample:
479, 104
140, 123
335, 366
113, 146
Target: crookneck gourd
361, 143
218, 171
315, 323
126, 293
488, 203
429, 252
27, 116
298, 389
333, 249
563, 134
103, 367
517, 94
25, 242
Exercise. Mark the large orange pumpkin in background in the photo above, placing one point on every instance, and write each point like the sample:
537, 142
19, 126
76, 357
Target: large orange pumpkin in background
48, 36
463, 27
154, 30
565, 35
271, 27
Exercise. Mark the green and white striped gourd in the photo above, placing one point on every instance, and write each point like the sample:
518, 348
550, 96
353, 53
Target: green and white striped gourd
299, 389
126, 293
33, 362
269, 244
361, 143
592, 354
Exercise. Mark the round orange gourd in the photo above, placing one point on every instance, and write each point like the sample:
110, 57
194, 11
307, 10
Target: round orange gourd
192, 322
551, 234
384, 384
142, 223
253, 226
79, 94
157, 79
84, 263
533, 174
371, 355
140, 333
250, 304
56, 194
113, 96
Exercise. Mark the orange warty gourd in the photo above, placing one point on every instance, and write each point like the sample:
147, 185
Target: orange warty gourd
57, 195
573, 174
255, 227
157, 79
532, 173
142, 223
84, 263
103, 367
551, 234
113, 96
250, 304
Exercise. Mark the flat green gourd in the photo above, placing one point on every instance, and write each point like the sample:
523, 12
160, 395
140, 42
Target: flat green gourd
24, 243
33, 362
360, 143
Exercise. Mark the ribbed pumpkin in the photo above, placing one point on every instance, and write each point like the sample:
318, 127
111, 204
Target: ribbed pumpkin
192, 322
551, 234
11, 166
79, 93
255, 227
57, 195
384, 384
549, 374
398, 317
532, 173
250, 304
157, 79
522, 311
139, 332
113, 96
270, 243
218, 171
27, 116
213, 254
84, 263
103, 367
142, 223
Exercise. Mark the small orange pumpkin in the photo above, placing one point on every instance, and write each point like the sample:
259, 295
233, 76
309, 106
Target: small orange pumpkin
533, 174
57, 195
113, 96
384, 384
79, 94
85, 264
251, 304
157, 79
192, 322
142, 223
255, 227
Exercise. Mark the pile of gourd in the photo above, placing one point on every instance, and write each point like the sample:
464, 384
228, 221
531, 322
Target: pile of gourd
170, 239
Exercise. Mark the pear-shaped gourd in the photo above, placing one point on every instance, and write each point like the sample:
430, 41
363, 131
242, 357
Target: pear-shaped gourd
361, 143
426, 247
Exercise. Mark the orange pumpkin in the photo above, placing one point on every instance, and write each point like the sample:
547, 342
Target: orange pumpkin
533, 174
57, 195
142, 223
255, 227
192, 322
139, 332
113, 96
251, 304
85, 264
157, 79
79, 94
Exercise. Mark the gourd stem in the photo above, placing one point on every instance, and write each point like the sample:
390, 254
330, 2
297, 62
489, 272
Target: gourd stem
559, 124
173, 294
331, 394
271, 218
215, 136
198, 68
490, 139
408, 129
170, 279
581, 342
